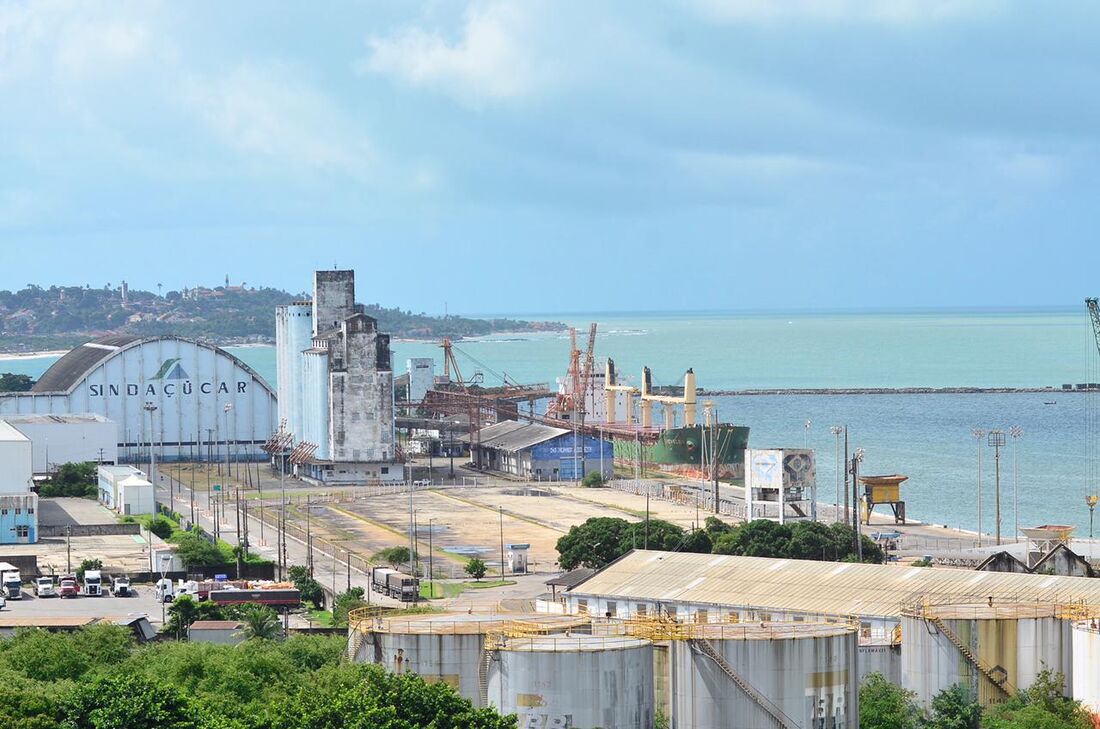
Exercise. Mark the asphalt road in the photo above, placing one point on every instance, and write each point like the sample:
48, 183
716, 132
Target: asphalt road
98, 607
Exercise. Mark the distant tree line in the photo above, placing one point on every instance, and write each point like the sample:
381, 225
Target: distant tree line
601, 540
58, 315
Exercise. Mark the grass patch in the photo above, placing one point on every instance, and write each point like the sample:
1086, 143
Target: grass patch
443, 590
320, 618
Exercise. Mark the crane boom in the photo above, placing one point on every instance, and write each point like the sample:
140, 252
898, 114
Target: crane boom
1094, 314
586, 375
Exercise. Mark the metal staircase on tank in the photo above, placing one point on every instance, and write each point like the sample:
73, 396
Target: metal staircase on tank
1001, 683
705, 647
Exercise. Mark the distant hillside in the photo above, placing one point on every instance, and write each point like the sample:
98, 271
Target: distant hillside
63, 316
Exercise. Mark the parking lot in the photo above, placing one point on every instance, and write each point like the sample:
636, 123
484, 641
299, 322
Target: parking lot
95, 607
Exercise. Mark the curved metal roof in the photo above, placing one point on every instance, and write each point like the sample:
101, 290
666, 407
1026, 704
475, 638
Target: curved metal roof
63, 375
66, 373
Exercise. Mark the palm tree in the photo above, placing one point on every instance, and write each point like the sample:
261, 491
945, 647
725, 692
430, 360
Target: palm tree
260, 622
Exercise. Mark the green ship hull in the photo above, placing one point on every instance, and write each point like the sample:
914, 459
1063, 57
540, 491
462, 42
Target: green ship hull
680, 451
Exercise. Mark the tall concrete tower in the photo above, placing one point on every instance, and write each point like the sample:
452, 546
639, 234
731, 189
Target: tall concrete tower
333, 299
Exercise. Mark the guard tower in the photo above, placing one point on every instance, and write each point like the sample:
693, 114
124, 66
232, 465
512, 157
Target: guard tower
883, 490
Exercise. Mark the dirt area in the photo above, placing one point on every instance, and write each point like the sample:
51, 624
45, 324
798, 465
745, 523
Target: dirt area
124, 552
70, 512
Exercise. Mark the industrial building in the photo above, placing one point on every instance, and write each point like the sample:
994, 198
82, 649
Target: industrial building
18, 503
780, 484
190, 400
922, 628
60, 439
541, 452
126, 490
420, 372
335, 378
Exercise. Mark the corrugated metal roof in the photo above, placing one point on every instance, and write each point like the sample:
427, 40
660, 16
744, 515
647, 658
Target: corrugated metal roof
515, 436
67, 371
826, 588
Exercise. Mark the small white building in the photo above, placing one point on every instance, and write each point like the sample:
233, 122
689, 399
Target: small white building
59, 439
421, 377
780, 484
126, 490
219, 632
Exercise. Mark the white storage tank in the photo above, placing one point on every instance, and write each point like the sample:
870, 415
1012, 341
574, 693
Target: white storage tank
574, 681
442, 647
804, 673
1011, 644
1086, 664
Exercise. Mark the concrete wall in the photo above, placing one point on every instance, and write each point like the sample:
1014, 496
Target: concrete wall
361, 393
333, 299
315, 402
421, 376
89, 530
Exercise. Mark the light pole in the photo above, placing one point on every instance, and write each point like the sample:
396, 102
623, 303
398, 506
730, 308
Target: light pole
996, 442
806, 441
1016, 432
228, 474
836, 430
978, 434
431, 562
857, 458
1090, 501
151, 408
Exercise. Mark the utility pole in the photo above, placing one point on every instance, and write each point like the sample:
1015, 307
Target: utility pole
847, 519
151, 408
69, 549
431, 563
501, 543
309, 535
857, 458
228, 471
997, 441
646, 541
836, 430
237, 494
714, 456
1016, 432
978, 434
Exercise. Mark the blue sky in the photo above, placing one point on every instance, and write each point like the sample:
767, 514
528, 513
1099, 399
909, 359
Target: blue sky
559, 156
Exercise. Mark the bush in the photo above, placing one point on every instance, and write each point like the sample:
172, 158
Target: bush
88, 564
195, 551
161, 527
592, 480
71, 480
344, 603
393, 556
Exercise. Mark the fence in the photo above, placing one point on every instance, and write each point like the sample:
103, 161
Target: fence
679, 494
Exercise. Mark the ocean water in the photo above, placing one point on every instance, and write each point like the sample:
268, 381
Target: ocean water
925, 436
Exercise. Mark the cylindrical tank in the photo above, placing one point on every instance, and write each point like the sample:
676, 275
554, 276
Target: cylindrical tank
442, 647
1012, 642
1086, 664
574, 681
804, 672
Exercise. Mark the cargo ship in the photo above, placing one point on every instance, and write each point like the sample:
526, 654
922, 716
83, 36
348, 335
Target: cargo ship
603, 406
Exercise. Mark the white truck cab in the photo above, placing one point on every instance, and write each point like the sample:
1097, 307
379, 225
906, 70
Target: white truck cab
13, 585
93, 583
44, 587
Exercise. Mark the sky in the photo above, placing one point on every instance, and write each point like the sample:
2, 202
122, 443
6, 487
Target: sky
538, 156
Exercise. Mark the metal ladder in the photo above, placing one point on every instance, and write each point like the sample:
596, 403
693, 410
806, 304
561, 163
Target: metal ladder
704, 646
483, 676
1003, 685
355, 641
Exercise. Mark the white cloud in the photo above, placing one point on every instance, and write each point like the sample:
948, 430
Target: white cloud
490, 60
887, 12
758, 167
1030, 169
264, 111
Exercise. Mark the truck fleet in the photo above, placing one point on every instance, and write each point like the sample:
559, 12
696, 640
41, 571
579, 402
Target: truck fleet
397, 585
13, 584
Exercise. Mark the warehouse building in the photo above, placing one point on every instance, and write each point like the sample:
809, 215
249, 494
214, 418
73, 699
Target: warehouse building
541, 452
60, 439
190, 400
335, 377
18, 504
706, 588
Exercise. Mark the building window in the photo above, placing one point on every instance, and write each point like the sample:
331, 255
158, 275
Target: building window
30, 509
582, 606
3, 512
701, 616
18, 511
612, 608
22, 531
640, 609
385, 470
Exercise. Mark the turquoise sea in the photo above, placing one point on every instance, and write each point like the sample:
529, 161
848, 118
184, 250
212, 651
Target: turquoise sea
926, 436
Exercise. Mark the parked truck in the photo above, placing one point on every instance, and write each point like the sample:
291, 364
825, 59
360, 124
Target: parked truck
378, 579
402, 587
13, 585
93, 583
44, 587
68, 588
120, 587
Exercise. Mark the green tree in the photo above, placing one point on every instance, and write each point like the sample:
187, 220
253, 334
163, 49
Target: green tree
161, 527
955, 708
697, 542
654, 534
45, 656
716, 527
88, 564
1041, 706
104, 644
195, 551
27, 704
186, 610
475, 567
11, 382
260, 622
122, 701
595, 543
344, 603
309, 588
882, 705
393, 556
71, 480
